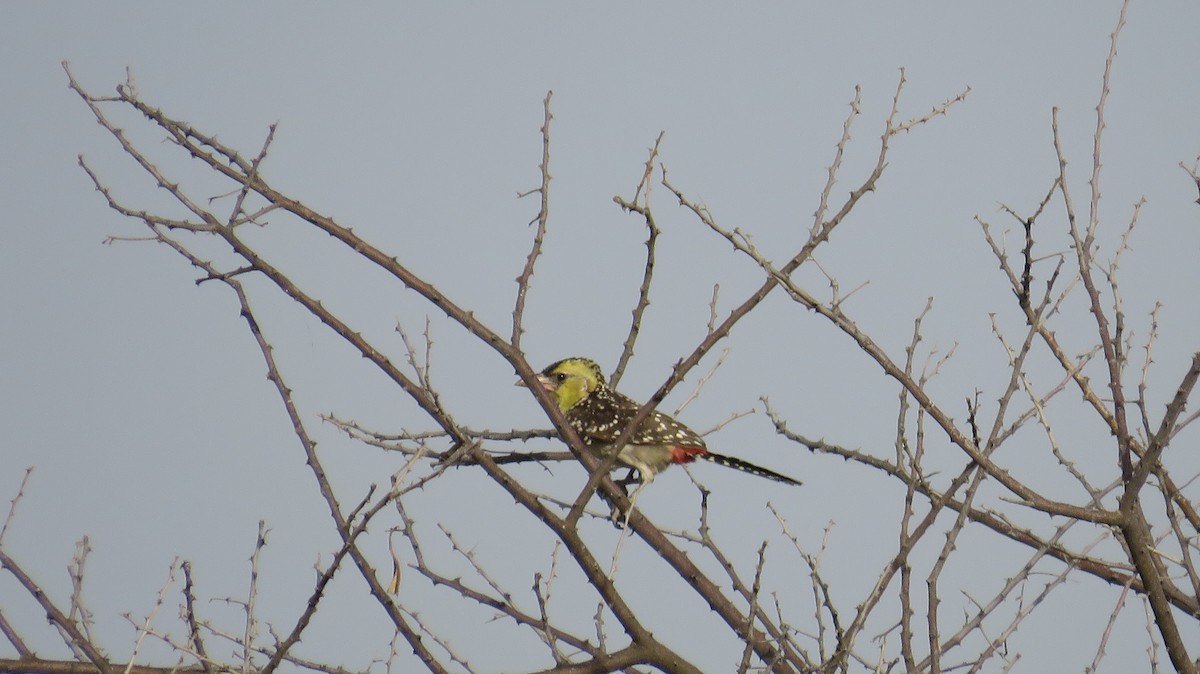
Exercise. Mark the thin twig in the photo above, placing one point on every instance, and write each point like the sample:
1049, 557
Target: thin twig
652, 232
12, 504
541, 219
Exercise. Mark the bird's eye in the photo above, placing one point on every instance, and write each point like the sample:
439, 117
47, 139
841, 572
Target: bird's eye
560, 377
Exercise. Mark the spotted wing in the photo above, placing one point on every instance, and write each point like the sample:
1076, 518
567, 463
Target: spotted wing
602, 417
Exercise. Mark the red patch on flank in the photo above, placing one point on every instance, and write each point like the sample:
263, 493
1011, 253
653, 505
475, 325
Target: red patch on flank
686, 454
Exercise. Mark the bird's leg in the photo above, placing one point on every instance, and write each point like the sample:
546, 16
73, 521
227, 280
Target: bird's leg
633, 504
624, 483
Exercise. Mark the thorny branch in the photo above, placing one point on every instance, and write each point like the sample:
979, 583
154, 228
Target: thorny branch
228, 163
939, 464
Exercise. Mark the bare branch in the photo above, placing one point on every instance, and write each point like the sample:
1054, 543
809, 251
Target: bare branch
73, 636
12, 504
144, 628
652, 232
542, 219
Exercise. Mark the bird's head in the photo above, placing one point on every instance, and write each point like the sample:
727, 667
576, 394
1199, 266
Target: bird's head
571, 380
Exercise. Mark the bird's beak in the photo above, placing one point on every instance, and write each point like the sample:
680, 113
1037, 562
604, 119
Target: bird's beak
545, 383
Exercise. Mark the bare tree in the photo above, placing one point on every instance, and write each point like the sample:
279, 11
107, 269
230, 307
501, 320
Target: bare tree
1127, 521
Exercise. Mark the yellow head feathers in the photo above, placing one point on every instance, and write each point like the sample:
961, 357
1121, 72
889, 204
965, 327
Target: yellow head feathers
571, 380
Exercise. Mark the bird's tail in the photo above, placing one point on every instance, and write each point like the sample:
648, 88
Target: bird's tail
746, 466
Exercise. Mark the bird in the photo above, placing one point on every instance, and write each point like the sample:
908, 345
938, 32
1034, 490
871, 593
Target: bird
599, 414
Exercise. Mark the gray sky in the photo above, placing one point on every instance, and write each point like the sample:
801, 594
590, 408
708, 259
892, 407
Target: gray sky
141, 398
